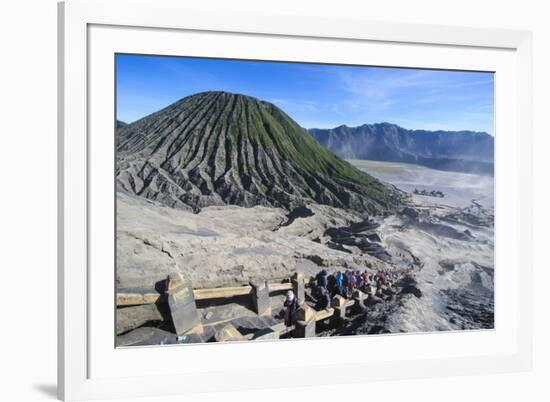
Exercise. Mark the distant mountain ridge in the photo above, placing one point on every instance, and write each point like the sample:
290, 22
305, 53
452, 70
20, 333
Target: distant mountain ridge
462, 151
219, 148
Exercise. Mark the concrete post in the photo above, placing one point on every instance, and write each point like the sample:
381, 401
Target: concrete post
305, 329
299, 286
260, 297
339, 304
305, 322
181, 302
359, 298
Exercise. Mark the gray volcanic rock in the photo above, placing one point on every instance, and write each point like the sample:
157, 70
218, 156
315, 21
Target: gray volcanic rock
461, 151
218, 148
222, 246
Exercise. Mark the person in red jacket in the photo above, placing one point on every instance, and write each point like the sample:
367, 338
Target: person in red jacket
365, 276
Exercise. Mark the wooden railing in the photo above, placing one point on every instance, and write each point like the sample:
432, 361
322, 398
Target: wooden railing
134, 299
181, 295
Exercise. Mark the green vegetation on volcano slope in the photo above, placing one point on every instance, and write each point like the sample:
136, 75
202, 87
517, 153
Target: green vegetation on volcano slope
218, 148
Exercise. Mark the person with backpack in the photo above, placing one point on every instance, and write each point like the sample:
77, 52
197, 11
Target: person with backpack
380, 281
323, 300
340, 281
321, 278
332, 285
358, 280
346, 288
352, 282
365, 277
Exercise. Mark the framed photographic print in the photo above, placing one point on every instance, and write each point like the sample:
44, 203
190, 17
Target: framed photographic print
239, 194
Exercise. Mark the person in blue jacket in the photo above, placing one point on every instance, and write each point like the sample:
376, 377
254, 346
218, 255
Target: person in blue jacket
340, 280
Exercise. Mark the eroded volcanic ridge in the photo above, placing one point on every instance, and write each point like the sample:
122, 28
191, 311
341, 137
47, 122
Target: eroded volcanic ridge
219, 148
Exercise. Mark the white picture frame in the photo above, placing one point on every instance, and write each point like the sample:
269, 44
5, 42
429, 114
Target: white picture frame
89, 366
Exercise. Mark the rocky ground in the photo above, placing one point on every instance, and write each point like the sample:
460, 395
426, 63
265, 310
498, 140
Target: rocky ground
223, 246
443, 254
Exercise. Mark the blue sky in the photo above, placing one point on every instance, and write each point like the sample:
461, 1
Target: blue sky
315, 95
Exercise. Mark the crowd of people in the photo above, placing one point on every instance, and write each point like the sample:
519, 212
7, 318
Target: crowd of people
344, 283
326, 286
